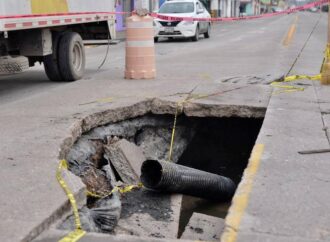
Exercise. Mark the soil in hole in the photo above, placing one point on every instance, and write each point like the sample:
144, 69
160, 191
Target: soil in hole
157, 205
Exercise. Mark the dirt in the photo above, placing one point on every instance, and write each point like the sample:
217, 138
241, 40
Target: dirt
157, 205
198, 230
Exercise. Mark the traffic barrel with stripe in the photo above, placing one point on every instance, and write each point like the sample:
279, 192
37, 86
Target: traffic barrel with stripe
140, 48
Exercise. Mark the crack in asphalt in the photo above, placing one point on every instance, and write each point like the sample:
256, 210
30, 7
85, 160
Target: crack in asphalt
304, 46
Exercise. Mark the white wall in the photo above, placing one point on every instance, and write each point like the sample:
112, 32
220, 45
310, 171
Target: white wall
228, 12
229, 8
91, 5
15, 7
19, 7
214, 5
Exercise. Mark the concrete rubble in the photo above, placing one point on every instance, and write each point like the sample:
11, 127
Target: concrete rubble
114, 153
149, 214
203, 227
127, 159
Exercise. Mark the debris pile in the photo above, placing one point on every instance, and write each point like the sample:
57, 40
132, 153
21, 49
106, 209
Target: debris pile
204, 228
111, 156
109, 159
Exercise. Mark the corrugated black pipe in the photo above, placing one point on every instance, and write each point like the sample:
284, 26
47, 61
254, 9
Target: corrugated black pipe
171, 177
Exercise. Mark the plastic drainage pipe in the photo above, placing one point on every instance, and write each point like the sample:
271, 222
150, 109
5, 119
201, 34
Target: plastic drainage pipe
170, 177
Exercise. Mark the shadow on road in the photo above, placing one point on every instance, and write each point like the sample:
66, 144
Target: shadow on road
13, 87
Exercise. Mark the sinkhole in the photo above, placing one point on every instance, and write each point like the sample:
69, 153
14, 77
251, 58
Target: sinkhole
220, 146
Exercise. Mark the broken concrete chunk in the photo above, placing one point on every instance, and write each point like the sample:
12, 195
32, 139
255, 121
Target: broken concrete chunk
155, 141
127, 159
203, 227
85, 153
149, 214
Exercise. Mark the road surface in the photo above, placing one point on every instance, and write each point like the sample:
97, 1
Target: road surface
252, 47
36, 115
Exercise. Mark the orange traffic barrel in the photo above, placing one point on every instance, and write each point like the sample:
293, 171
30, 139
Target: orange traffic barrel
140, 48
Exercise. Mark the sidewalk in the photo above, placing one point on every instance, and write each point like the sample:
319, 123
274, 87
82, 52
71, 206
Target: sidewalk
284, 195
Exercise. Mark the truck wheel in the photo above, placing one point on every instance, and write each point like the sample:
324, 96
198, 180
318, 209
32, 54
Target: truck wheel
71, 56
51, 68
51, 62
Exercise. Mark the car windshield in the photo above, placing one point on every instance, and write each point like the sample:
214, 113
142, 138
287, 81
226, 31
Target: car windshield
177, 8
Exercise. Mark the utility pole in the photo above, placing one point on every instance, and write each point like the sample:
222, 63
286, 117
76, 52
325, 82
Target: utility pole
325, 75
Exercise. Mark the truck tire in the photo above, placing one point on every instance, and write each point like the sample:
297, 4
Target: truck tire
51, 68
51, 62
71, 57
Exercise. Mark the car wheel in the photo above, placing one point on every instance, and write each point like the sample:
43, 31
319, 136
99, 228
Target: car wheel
196, 37
207, 33
156, 39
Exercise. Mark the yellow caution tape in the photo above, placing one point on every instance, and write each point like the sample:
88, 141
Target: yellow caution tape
278, 84
288, 88
327, 52
326, 57
115, 189
300, 77
178, 105
292, 88
74, 236
78, 233
105, 100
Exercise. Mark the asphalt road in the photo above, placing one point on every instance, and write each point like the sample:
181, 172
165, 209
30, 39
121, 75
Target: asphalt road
36, 115
253, 47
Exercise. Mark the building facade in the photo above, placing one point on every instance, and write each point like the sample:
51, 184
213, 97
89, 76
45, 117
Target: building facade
251, 7
217, 8
225, 8
128, 6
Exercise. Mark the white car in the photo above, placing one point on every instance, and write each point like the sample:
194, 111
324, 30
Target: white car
186, 29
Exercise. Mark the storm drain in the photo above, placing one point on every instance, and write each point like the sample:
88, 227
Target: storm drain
111, 156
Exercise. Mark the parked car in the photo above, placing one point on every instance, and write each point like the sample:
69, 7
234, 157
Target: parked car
186, 29
325, 8
313, 10
276, 9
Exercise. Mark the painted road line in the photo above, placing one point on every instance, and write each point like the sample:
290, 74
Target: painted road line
241, 198
290, 34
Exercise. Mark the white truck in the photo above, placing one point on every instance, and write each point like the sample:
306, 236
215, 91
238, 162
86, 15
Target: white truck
52, 32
